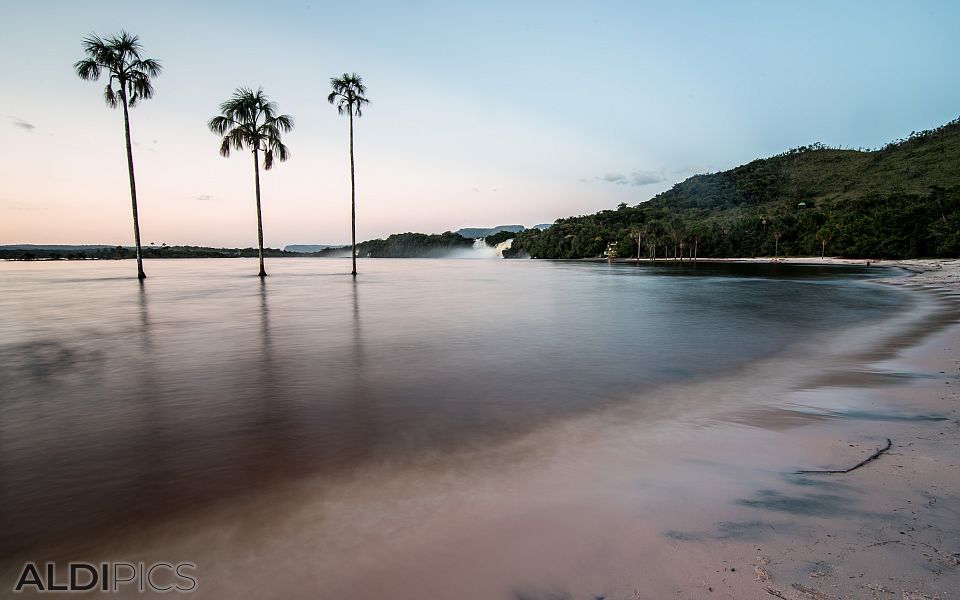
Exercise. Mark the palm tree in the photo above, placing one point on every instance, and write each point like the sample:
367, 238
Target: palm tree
652, 233
348, 95
824, 236
250, 120
637, 234
128, 83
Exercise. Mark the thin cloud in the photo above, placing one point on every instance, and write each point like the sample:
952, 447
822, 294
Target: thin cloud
617, 178
635, 179
203, 197
646, 177
25, 125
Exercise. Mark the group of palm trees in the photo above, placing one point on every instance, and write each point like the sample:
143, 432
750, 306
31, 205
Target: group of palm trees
248, 120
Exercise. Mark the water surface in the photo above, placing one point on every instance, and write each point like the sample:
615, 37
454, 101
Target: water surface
120, 401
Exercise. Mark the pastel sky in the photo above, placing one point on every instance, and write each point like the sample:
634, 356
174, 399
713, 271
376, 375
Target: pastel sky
481, 113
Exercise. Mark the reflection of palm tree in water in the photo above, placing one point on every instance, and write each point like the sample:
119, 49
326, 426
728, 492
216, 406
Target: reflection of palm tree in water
275, 434
152, 468
359, 395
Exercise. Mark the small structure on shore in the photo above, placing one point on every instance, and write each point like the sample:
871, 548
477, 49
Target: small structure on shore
611, 252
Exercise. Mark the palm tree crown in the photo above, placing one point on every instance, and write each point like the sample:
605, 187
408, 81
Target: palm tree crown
120, 56
347, 94
250, 120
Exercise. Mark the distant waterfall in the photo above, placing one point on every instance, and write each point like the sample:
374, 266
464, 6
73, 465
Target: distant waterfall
481, 249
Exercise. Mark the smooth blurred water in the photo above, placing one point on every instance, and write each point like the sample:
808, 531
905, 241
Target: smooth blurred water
120, 400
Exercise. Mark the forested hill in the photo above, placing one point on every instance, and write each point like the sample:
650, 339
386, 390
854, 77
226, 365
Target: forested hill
900, 201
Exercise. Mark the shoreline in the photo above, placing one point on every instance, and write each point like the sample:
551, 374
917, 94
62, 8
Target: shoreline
943, 272
701, 502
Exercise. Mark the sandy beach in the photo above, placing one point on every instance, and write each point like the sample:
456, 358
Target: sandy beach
690, 490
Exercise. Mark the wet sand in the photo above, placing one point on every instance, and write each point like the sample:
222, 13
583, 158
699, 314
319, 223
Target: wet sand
685, 491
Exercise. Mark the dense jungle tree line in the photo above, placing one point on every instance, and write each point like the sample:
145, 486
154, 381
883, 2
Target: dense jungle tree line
900, 201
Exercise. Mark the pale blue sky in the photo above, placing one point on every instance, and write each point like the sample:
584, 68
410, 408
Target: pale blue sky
480, 114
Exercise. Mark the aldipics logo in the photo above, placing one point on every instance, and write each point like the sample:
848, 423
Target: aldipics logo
107, 577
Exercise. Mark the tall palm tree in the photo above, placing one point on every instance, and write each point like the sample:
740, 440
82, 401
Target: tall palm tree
637, 234
128, 83
348, 95
250, 120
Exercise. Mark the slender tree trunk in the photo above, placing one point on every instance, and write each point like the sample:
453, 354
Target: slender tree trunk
256, 179
823, 248
696, 243
353, 201
133, 183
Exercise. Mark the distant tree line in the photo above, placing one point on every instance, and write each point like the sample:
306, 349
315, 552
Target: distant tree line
122, 252
892, 226
407, 245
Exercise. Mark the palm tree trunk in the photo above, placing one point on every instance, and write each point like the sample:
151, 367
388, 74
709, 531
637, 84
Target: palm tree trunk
353, 202
133, 183
256, 175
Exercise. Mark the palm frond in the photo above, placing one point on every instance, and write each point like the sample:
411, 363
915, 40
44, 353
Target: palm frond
139, 87
284, 123
225, 147
110, 96
239, 138
148, 66
87, 69
220, 124
281, 150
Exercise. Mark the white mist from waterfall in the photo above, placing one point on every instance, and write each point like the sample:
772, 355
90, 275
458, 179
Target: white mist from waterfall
481, 249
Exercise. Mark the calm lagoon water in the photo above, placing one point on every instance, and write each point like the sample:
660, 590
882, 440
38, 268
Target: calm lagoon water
120, 400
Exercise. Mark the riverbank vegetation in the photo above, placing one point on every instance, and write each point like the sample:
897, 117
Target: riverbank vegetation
899, 201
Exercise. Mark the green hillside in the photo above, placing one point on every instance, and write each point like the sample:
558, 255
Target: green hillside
900, 201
